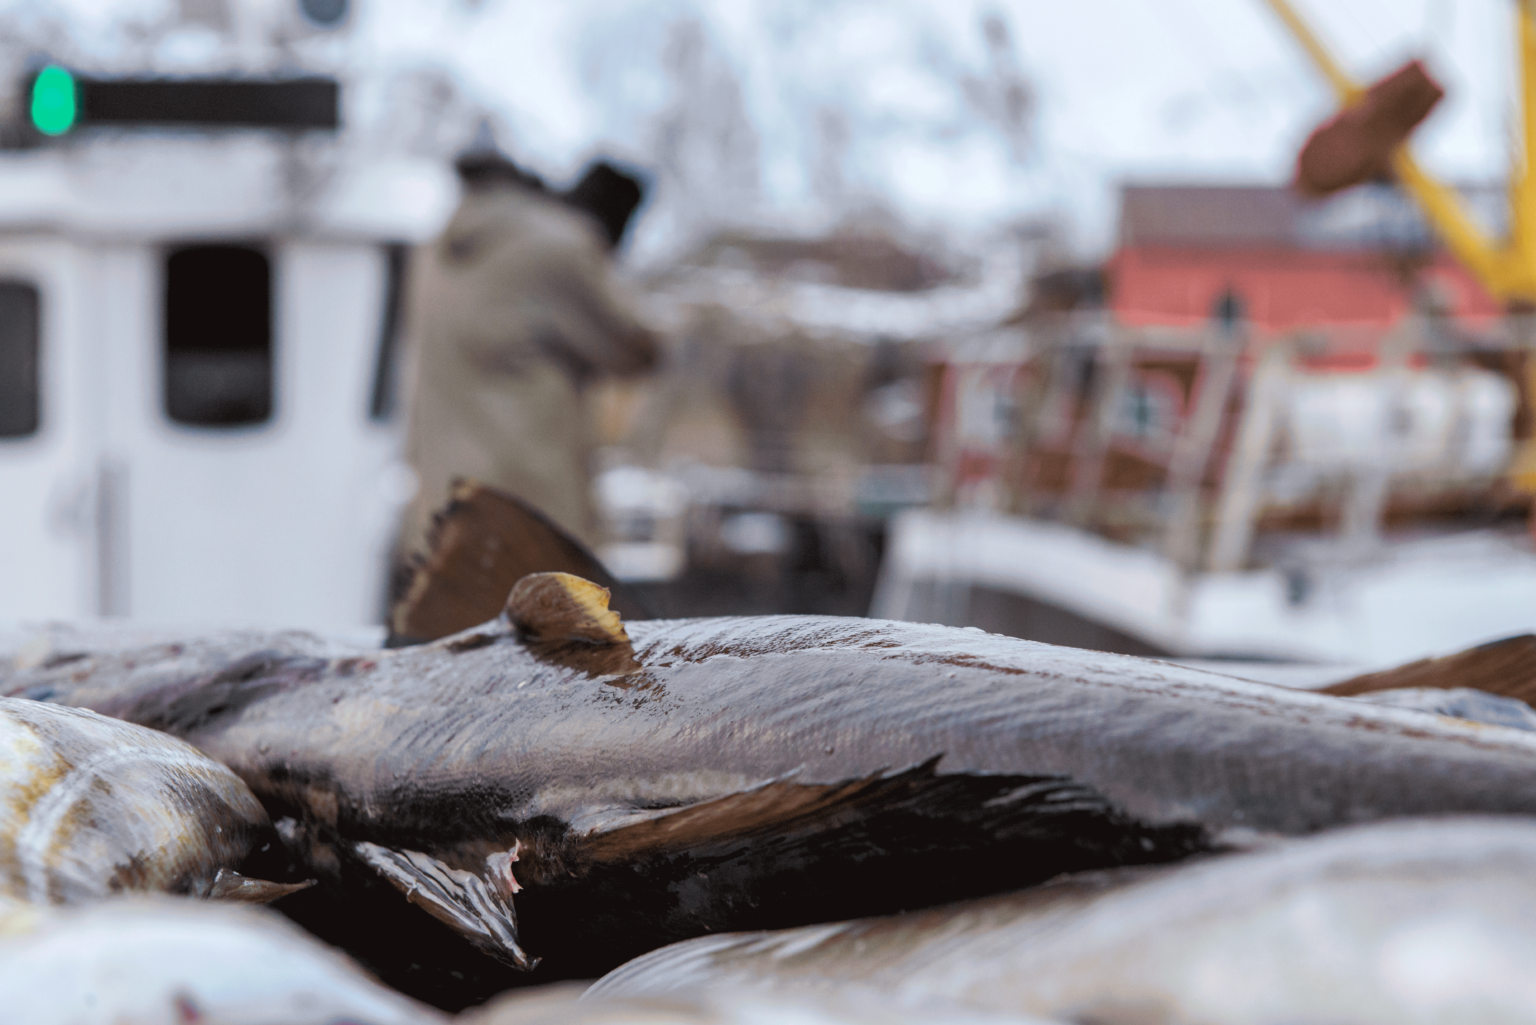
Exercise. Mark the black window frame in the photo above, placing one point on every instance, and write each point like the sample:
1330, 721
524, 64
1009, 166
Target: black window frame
201, 358
384, 395
30, 423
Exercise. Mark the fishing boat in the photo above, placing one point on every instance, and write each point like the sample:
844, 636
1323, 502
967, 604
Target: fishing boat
200, 286
1278, 423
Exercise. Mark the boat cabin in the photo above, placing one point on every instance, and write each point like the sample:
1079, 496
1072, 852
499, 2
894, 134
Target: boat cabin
197, 368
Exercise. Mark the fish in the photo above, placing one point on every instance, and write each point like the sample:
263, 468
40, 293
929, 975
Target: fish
565, 1004
481, 543
91, 806
1505, 667
558, 783
1407, 922
1460, 702
161, 960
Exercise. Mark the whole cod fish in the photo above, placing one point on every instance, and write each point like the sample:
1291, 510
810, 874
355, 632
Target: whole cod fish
91, 806
1425, 922
550, 784
165, 961
564, 1004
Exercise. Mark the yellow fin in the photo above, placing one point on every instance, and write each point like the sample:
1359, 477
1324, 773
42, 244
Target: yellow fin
564, 607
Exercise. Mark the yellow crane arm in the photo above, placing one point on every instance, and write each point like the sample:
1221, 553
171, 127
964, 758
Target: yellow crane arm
1447, 213
1508, 271
1522, 184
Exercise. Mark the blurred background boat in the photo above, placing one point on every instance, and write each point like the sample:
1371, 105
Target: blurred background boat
199, 309
1262, 428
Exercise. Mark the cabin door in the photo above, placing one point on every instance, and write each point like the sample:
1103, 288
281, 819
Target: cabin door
258, 485
56, 495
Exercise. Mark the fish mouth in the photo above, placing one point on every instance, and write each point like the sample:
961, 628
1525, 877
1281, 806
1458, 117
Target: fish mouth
479, 910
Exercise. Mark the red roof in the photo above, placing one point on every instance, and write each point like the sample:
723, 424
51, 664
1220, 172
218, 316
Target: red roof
1281, 287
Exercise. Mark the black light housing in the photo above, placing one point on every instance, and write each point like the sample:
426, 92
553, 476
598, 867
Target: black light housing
293, 103
290, 104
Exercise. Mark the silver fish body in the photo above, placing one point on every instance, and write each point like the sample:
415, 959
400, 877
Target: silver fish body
564, 1005
1424, 922
1460, 703
91, 806
168, 961
589, 804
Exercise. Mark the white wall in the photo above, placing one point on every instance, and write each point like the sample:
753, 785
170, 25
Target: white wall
47, 549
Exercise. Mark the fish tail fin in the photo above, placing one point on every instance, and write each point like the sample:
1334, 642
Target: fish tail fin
482, 543
1506, 667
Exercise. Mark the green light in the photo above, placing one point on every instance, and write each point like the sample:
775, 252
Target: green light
53, 100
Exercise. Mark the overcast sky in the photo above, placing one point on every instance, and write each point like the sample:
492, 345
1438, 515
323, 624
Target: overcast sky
886, 102
1123, 89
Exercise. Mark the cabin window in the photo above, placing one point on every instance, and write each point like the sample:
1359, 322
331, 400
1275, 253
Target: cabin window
386, 367
218, 336
18, 359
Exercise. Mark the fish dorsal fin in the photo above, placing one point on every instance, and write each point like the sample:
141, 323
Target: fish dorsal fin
564, 607
1504, 667
484, 541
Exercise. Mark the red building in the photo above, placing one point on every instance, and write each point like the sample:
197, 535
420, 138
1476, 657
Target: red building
1350, 261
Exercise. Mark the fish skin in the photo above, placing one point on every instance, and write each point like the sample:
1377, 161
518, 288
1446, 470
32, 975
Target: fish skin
91, 806
158, 960
1417, 922
1458, 702
563, 1004
648, 796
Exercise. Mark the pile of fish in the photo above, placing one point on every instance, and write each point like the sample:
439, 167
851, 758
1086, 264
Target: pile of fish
556, 794
1426, 920
159, 961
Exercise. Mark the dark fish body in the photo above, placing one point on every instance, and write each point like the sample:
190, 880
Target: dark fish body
91, 806
1423, 922
586, 804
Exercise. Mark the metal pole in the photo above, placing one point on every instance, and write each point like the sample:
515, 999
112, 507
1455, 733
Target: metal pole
1522, 181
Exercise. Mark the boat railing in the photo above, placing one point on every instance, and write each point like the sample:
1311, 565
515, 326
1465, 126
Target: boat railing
1197, 440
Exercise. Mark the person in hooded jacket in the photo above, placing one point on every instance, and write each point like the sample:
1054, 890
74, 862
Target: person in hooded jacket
513, 312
